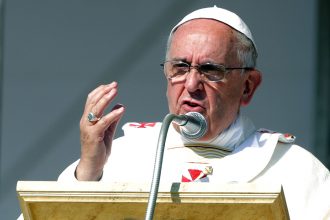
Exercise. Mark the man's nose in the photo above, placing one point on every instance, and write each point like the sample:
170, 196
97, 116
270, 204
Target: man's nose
193, 81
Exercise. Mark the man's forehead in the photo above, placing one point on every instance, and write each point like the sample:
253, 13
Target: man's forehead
205, 39
203, 31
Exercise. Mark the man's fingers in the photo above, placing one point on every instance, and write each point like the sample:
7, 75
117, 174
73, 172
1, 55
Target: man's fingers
103, 102
94, 97
110, 118
113, 126
99, 99
110, 131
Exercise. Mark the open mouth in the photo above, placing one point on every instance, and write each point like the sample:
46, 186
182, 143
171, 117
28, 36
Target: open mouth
190, 106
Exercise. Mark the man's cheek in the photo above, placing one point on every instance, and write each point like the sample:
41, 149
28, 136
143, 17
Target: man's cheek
171, 103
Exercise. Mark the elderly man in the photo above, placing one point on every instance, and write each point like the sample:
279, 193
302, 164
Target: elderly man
210, 68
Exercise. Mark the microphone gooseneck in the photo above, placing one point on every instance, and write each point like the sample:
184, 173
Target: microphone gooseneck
193, 126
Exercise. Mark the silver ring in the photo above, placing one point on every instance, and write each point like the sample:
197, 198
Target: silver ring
92, 117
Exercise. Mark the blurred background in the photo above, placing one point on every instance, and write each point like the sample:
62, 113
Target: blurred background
53, 53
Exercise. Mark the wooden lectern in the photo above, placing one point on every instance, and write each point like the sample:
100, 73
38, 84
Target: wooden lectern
177, 201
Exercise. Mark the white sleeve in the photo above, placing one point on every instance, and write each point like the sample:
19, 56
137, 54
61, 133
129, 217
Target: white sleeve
69, 173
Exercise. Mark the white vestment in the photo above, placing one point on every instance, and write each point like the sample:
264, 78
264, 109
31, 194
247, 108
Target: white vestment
262, 157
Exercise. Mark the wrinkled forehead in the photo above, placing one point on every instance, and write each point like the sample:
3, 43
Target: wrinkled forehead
204, 32
203, 40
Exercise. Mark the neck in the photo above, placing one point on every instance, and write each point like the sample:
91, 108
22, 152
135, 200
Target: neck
230, 138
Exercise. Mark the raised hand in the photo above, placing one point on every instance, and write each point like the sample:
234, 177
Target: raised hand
97, 131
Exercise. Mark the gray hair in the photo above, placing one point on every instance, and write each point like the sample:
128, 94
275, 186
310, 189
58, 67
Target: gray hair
246, 52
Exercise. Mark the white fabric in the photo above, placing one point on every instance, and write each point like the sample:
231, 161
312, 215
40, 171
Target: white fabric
260, 158
221, 15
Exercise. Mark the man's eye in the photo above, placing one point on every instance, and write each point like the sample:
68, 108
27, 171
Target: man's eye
210, 68
180, 65
212, 72
180, 68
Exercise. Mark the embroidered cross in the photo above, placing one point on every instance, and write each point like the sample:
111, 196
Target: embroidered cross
143, 124
196, 174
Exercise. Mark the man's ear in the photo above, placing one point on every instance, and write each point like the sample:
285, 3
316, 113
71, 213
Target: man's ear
252, 82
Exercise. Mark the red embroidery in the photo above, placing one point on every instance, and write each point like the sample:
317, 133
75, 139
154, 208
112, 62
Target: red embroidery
287, 135
194, 174
143, 124
185, 179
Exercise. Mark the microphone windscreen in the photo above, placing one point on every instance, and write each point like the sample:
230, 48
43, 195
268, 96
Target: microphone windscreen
195, 127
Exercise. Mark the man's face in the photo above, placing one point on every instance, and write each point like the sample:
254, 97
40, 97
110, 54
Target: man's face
200, 41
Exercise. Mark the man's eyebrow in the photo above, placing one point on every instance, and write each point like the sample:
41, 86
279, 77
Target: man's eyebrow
183, 59
211, 61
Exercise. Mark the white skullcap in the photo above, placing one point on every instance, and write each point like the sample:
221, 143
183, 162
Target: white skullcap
222, 15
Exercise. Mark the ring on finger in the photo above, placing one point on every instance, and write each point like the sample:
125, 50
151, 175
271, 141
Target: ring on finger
92, 117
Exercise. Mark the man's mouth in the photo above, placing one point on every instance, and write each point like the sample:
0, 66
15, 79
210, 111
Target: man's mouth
191, 106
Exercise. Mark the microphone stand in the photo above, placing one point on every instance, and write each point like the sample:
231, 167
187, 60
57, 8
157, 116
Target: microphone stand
159, 162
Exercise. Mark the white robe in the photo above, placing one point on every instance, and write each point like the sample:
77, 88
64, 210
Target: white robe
264, 157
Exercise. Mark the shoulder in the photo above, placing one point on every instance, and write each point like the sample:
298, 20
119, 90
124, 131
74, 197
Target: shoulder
138, 128
300, 158
288, 156
137, 135
286, 138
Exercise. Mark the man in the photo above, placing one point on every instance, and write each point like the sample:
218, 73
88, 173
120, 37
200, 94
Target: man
210, 68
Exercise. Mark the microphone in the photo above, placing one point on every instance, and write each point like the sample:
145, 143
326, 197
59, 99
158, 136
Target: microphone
193, 125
